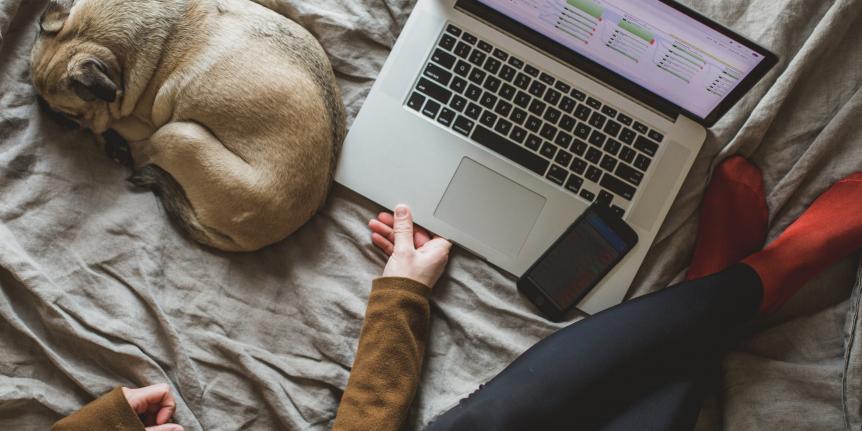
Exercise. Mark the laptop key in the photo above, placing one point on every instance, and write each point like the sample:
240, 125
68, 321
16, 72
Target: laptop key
492, 84
507, 92
533, 142
594, 174
458, 85
507, 73
454, 30
462, 68
503, 108
548, 132
469, 38
568, 104
655, 136
552, 115
627, 154
518, 116
532, 71
473, 92
618, 211
522, 99
473, 111
579, 166
612, 128
578, 95
492, 65
588, 195
625, 119
415, 101
502, 56
568, 123
617, 186
597, 120
433, 90
447, 42
640, 127
552, 97
628, 135
443, 58
438, 74
516, 62
533, 124
613, 147
518, 134
582, 131
563, 158
629, 174
563, 87
458, 103
503, 126
488, 100
463, 125
510, 150
608, 163
593, 155
548, 150
610, 112
547, 79
477, 76
563, 140
605, 197
642, 162
646, 146
557, 174
593, 103
579, 147
485, 46
537, 89
582, 112
537, 107
522, 81
574, 183
462, 50
597, 138
446, 117
488, 119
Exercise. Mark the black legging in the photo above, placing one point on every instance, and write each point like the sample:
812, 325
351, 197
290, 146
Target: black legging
635, 366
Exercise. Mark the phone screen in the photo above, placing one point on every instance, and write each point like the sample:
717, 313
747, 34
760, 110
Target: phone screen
578, 260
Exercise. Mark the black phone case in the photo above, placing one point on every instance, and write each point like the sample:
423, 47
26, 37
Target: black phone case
538, 297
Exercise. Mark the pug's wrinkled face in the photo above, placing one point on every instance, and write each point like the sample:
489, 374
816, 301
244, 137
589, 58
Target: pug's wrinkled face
76, 76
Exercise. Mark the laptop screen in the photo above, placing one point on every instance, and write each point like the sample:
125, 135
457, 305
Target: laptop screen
652, 44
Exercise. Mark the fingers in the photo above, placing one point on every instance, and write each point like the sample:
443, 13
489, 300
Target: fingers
438, 243
165, 427
403, 229
152, 399
382, 243
420, 235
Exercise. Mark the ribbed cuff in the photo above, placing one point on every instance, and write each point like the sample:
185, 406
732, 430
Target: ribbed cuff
400, 283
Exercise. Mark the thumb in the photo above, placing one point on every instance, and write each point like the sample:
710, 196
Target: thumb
165, 427
403, 228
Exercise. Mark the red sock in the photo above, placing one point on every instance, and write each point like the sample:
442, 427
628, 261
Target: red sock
733, 218
830, 229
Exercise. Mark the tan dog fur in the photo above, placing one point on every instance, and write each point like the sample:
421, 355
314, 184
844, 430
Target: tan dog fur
231, 111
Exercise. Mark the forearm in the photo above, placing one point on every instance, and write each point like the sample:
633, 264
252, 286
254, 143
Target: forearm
110, 412
388, 361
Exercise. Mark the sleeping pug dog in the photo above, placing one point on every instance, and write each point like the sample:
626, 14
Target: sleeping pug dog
231, 111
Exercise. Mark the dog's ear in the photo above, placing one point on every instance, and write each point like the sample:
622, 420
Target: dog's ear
55, 16
90, 80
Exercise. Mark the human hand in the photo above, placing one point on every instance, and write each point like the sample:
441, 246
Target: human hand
155, 405
413, 252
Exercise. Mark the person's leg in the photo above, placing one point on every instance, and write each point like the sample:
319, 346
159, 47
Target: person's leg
578, 376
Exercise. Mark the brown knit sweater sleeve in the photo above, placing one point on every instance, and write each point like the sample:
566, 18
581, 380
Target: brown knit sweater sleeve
111, 412
388, 361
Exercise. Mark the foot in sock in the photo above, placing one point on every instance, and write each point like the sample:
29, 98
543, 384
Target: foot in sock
829, 230
733, 218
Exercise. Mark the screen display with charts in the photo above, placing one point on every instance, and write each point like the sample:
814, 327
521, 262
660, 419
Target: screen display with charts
645, 41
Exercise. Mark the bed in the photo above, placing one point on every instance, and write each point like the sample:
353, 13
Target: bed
98, 289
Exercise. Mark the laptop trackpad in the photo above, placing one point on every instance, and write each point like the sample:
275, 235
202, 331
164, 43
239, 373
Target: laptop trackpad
490, 207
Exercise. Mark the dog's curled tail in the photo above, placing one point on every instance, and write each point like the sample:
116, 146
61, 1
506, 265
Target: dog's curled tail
178, 207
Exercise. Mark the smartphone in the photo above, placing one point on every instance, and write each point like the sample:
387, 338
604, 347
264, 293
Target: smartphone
595, 243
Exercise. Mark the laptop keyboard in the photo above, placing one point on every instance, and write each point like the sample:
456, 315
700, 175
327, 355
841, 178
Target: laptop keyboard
542, 123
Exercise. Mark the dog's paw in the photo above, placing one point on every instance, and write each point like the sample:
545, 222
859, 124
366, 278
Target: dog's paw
117, 149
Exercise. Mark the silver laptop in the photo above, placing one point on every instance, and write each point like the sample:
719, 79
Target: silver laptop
500, 121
